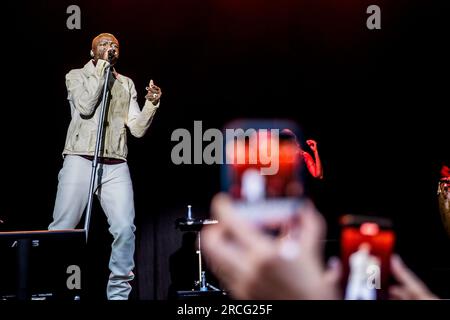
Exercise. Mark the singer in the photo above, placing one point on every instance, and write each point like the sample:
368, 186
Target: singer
444, 197
113, 185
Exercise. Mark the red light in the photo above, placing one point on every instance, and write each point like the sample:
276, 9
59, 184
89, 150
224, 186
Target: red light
369, 229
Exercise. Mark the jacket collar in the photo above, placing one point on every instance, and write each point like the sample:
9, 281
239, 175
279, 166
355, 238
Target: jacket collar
89, 67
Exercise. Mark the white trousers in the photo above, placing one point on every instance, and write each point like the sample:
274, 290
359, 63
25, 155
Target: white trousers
115, 192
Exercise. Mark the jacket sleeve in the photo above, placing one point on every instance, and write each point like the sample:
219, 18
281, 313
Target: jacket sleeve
139, 121
84, 92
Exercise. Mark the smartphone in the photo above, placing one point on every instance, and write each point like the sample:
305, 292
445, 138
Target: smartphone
366, 248
263, 172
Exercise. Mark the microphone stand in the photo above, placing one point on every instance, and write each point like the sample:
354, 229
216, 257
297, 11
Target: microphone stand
97, 149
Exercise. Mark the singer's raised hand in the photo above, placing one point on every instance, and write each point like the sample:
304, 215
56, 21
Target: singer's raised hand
312, 144
105, 55
154, 93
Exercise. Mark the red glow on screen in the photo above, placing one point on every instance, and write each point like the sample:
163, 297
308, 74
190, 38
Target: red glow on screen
369, 229
381, 246
287, 153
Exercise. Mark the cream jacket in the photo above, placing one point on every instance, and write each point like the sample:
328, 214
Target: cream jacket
84, 87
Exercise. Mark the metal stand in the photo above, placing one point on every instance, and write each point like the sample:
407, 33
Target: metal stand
196, 225
201, 282
97, 151
202, 289
23, 261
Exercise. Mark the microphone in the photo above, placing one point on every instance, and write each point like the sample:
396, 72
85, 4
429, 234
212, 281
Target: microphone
111, 54
189, 212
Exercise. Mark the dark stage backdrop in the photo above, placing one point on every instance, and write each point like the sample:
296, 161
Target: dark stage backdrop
375, 100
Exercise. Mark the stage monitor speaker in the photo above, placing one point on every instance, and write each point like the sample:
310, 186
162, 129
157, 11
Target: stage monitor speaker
207, 296
42, 265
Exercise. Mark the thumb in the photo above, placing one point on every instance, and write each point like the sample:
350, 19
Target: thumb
311, 229
333, 272
151, 83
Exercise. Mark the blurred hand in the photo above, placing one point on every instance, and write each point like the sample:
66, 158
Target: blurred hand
254, 265
409, 286
312, 144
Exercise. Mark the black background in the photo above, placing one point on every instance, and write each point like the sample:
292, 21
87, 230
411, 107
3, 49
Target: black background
375, 100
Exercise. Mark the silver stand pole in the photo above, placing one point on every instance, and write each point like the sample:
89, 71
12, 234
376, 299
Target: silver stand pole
201, 282
98, 144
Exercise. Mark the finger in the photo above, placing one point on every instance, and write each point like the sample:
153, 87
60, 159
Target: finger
311, 143
416, 288
151, 83
153, 90
333, 274
245, 234
308, 232
398, 293
221, 254
312, 228
288, 249
215, 243
151, 96
403, 274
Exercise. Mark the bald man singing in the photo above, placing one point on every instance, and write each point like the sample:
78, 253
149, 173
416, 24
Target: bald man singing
113, 185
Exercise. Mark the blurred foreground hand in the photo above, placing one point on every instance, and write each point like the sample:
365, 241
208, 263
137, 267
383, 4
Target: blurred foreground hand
253, 265
409, 286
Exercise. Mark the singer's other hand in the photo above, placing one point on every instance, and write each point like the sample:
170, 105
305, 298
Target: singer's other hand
312, 144
154, 93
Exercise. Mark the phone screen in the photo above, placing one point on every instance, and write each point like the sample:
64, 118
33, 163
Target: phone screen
263, 171
366, 249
